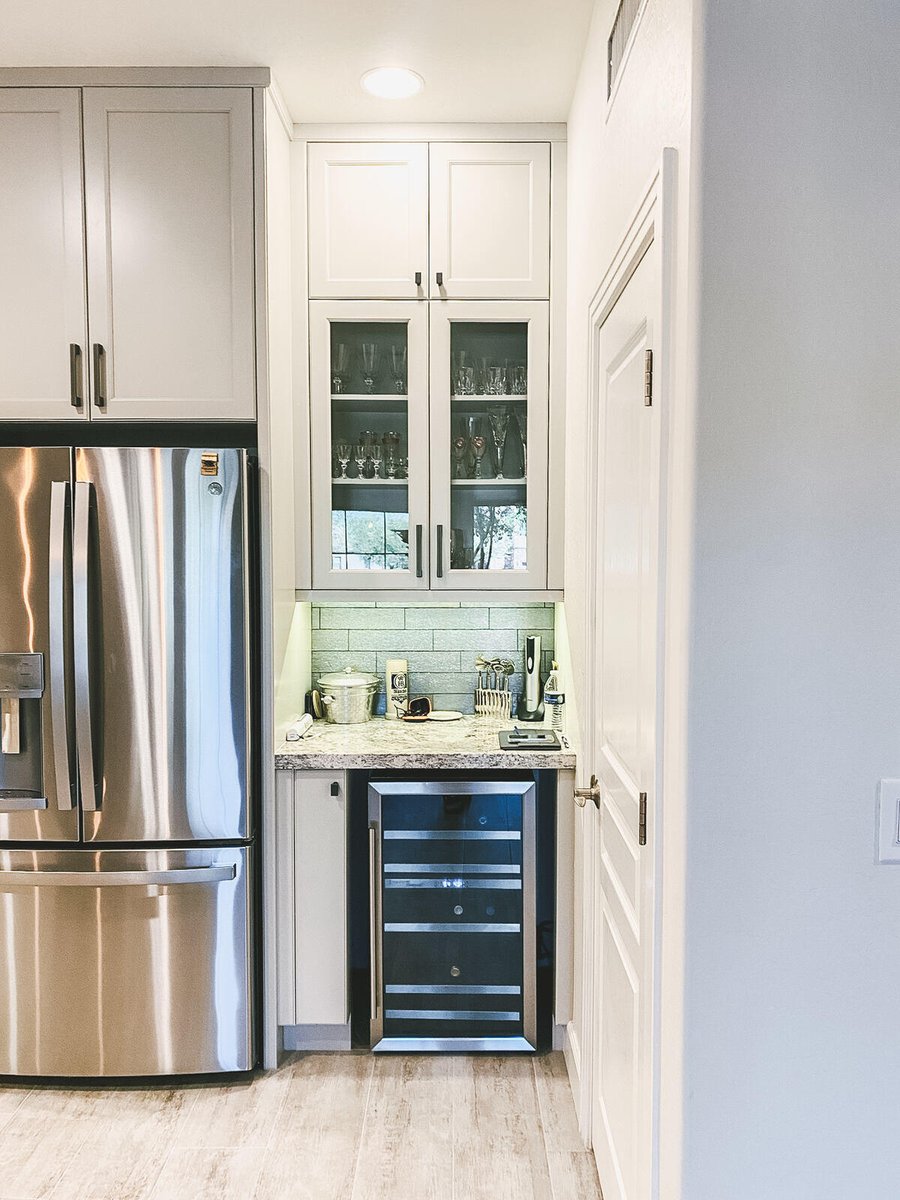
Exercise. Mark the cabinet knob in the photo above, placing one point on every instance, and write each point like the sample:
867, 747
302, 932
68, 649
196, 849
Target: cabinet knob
418, 278
335, 788
439, 278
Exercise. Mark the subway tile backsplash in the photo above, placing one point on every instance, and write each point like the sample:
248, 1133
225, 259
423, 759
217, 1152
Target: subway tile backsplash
440, 642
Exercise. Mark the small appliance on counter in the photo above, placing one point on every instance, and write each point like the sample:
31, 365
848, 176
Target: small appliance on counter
531, 706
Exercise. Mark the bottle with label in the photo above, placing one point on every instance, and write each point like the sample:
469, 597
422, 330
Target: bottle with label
554, 699
396, 687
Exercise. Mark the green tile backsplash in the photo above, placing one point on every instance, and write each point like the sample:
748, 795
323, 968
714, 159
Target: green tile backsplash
440, 642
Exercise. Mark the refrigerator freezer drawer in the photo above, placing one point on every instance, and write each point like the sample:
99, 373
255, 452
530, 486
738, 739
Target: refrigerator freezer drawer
126, 962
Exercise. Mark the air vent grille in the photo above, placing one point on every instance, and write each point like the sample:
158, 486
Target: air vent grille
626, 15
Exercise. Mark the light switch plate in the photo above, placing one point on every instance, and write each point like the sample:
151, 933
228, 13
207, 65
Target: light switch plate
887, 849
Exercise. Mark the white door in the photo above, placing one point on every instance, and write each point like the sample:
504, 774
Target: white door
169, 198
490, 221
489, 422
368, 220
368, 365
625, 733
43, 323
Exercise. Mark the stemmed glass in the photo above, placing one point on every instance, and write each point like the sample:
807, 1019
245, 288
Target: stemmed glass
499, 425
460, 450
376, 453
344, 453
522, 422
398, 369
340, 368
370, 365
479, 449
360, 455
391, 443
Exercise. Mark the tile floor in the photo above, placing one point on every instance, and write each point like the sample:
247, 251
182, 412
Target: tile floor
323, 1127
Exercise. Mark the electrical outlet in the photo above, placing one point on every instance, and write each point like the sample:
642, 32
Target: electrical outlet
887, 849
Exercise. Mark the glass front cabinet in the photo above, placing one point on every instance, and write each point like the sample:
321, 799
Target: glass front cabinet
429, 426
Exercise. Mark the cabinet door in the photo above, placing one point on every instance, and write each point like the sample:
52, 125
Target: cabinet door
368, 221
43, 327
369, 444
489, 417
490, 221
169, 192
311, 829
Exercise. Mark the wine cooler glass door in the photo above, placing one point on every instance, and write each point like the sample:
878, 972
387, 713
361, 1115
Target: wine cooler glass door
453, 924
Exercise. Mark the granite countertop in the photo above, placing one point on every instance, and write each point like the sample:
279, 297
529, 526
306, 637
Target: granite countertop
471, 742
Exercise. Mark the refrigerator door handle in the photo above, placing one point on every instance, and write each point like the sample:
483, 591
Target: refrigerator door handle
59, 717
84, 743
178, 875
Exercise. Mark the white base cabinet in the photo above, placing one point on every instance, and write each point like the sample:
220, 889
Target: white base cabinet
311, 918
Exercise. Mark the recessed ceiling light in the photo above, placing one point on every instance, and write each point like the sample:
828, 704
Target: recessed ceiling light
392, 83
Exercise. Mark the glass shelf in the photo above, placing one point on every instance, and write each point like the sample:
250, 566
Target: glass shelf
489, 481
372, 482
490, 398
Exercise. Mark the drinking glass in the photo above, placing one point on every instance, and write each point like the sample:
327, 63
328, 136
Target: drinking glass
361, 455
495, 381
465, 384
522, 422
376, 454
391, 443
479, 449
460, 452
344, 453
518, 381
499, 425
369, 352
398, 369
340, 369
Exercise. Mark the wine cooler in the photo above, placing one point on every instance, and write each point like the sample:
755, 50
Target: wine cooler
452, 915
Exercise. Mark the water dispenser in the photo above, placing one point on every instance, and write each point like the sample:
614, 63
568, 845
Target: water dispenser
21, 734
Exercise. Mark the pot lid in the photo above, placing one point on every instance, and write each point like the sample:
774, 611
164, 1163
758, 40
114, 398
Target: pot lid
349, 677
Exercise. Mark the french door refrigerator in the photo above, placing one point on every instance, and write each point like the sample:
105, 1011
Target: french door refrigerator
126, 852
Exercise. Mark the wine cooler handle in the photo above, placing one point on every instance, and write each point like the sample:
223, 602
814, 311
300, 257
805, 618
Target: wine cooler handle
373, 922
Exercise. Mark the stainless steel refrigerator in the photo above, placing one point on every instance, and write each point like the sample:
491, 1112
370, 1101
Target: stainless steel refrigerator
126, 839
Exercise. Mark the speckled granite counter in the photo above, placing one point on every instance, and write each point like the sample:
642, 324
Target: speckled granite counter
471, 742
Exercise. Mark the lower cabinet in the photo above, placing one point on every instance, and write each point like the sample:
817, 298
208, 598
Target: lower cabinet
311, 931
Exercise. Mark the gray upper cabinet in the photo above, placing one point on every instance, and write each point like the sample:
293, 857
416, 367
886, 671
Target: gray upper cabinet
43, 320
445, 221
131, 289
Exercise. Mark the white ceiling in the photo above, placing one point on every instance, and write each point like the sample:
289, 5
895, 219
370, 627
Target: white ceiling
482, 60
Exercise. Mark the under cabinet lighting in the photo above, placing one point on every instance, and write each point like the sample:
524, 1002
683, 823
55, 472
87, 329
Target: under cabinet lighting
392, 83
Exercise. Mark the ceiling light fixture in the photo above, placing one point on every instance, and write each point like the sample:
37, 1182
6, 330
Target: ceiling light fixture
392, 83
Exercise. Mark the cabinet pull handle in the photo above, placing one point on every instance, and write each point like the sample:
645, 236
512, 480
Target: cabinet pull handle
440, 552
75, 392
439, 278
418, 278
418, 552
99, 376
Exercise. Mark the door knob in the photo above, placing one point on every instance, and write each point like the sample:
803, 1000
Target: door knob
582, 795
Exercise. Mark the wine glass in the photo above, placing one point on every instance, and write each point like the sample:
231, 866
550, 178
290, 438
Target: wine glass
499, 425
479, 449
460, 451
376, 454
391, 443
398, 369
360, 456
340, 368
370, 365
344, 453
522, 422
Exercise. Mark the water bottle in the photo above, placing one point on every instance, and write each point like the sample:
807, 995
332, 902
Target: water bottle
554, 699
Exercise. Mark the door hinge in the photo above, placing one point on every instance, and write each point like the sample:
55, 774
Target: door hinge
642, 821
648, 378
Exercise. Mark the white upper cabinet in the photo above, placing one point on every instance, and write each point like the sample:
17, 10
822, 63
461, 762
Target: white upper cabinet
368, 221
490, 221
170, 243
43, 324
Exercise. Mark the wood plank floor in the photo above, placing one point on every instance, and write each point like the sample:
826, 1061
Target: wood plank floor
323, 1127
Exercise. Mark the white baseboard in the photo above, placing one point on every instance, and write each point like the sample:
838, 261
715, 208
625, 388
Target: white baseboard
317, 1037
572, 1052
